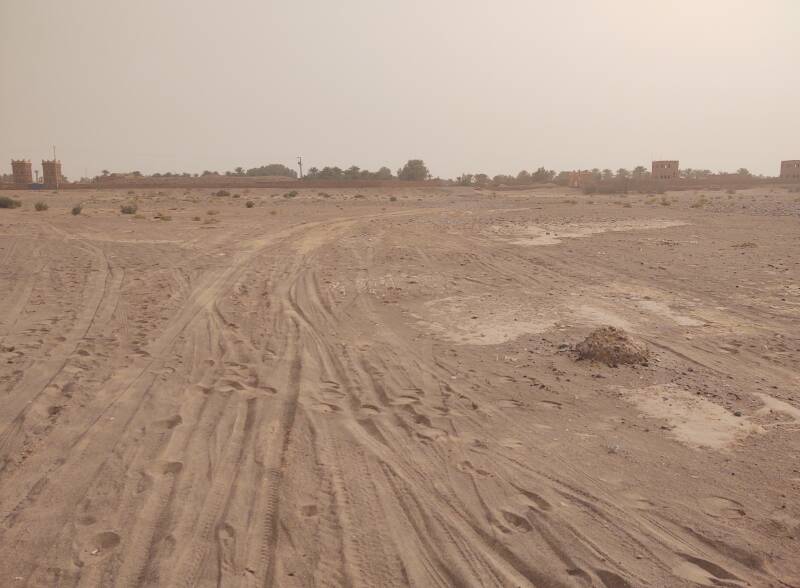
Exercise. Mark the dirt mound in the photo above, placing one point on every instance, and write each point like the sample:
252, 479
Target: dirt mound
612, 347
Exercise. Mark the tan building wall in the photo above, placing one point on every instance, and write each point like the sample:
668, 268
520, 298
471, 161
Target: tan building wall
579, 179
665, 170
21, 171
790, 170
51, 172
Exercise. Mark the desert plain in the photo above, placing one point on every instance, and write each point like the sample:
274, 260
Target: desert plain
379, 387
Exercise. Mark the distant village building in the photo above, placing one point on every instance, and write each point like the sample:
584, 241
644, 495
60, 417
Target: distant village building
665, 170
21, 172
790, 170
579, 179
51, 172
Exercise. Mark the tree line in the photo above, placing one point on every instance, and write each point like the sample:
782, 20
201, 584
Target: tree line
416, 170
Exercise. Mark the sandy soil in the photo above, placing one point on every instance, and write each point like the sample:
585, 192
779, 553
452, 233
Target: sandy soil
345, 389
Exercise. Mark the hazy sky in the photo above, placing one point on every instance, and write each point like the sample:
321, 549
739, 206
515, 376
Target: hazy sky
478, 86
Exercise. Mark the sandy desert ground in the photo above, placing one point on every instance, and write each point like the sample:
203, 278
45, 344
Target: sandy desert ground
378, 388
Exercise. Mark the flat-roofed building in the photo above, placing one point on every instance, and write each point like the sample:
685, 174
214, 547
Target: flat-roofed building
790, 169
665, 170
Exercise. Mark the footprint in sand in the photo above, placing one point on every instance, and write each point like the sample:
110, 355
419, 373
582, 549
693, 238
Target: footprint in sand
509, 403
467, 467
704, 572
105, 540
369, 409
518, 523
325, 407
534, 500
721, 507
510, 443
612, 580
170, 423
172, 467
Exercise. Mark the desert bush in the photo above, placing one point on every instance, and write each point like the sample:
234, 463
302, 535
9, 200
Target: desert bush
359, 196
237, 195
730, 191
291, 194
129, 208
273, 212
249, 204
323, 194
6, 202
131, 192
212, 212
196, 218
627, 205
665, 202
41, 206
164, 217
392, 198
222, 193
76, 210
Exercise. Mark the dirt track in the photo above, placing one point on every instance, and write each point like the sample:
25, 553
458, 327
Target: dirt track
353, 391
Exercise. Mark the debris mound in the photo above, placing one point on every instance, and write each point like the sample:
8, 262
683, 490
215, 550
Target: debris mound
612, 346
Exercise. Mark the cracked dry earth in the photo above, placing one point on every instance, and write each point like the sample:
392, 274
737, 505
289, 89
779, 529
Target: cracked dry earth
343, 391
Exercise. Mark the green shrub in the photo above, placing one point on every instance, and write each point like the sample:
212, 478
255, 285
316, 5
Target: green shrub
41, 206
291, 194
6, 202
130, 208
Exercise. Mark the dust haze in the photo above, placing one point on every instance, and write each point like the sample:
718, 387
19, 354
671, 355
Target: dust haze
466, 86
399, 294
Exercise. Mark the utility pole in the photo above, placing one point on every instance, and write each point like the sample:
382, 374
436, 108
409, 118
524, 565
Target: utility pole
300, 164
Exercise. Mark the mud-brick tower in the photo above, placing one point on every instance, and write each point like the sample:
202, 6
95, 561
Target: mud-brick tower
22, 172
51, 170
